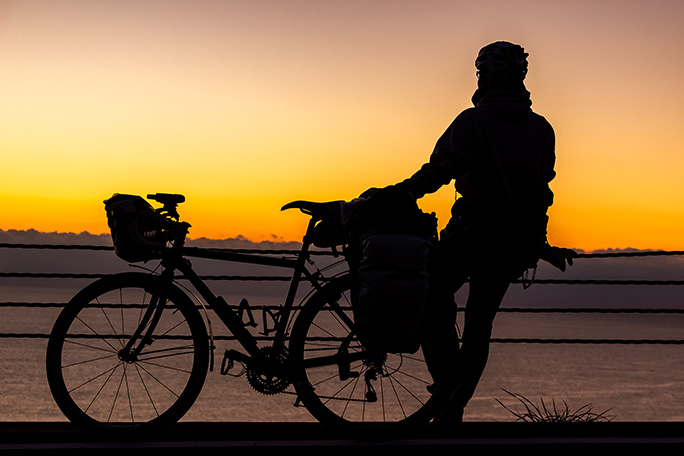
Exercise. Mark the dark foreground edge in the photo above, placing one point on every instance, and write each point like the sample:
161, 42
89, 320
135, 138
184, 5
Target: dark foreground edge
312, 438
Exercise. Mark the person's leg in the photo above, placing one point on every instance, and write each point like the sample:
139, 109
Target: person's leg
487, 290
439, 340
464, 370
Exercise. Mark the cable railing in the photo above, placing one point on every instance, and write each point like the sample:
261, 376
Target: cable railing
272, 278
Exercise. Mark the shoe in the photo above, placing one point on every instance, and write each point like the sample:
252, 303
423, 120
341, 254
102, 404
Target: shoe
449, 417
447, 424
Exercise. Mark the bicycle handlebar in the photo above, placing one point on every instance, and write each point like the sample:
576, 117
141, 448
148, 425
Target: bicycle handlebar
169, 202
167, 199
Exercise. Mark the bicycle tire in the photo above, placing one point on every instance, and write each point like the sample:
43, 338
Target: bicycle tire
324, 347
98, 391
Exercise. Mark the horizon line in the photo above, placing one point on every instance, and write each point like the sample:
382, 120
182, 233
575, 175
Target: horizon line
241, 238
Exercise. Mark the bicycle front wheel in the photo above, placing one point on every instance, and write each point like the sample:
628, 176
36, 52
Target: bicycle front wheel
344, 385
101, 388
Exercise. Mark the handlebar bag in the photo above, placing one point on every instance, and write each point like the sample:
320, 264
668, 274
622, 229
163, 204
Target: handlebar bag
135, 226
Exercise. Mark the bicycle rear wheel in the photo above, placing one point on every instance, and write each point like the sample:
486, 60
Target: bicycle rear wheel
342, 384
97, 386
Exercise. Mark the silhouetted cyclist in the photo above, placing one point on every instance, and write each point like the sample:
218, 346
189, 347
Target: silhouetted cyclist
501, 156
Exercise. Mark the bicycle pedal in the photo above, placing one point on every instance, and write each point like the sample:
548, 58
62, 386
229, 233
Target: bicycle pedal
228, 364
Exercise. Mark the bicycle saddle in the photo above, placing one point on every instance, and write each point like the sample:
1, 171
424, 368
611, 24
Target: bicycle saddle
314, 208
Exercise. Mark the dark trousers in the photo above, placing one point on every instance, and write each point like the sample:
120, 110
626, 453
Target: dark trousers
459, 361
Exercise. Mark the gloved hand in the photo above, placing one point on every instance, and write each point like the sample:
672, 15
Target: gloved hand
558, 256
370, 192
389, 201
385, 206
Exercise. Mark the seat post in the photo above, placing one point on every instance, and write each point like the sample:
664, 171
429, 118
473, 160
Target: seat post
307, 235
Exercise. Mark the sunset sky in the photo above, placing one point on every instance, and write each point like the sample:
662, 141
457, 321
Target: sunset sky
243, 106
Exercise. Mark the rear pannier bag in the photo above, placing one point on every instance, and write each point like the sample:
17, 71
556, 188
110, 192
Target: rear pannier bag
392, 290
136, 228
389, 268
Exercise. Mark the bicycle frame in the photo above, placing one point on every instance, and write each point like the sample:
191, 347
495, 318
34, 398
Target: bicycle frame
176, 260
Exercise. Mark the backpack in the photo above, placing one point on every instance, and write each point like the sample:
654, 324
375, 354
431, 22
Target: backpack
389, 256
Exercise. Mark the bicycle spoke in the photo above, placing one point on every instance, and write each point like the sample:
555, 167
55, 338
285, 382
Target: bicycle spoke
97, 393
147, 390
88, 381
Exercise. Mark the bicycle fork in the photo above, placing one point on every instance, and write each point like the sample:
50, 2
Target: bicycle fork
148, 323
142, 336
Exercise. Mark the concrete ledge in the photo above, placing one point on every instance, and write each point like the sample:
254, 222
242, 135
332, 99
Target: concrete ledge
310, 438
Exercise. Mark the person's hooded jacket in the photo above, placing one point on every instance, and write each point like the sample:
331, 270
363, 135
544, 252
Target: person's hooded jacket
501, 156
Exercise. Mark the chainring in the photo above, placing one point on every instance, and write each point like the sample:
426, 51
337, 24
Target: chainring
266, 374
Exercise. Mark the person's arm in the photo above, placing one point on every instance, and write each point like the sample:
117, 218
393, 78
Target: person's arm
447, 161
558, 257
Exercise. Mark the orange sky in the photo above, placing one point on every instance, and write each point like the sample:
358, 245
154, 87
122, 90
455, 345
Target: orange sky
245, 105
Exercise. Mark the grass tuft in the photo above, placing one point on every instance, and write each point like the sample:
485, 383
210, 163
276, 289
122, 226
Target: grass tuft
555, 413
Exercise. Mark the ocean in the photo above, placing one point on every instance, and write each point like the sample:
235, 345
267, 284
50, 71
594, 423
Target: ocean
627, 381
630, 382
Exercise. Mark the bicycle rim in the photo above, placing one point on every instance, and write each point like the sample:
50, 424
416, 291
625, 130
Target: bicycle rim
98, 390
343, 385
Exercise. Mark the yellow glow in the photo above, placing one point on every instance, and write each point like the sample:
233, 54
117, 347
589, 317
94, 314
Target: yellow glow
244, 106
